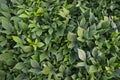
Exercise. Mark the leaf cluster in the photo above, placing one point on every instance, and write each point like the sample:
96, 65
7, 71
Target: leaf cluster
59, 39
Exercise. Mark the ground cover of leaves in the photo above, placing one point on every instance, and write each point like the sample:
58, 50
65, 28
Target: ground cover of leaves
59, 39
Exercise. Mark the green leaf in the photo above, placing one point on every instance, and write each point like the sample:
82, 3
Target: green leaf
6, 14
40, 10
34, 64
82, 22
116, 73
62, 68
7, 25
64, 13
20, 77
71, 45
113, 25
17, 1
7, 58
40, 44
29, 40
50, 31
23, 16
93, 60
71, 36
94, 52
81, 55
2, 75
27, 48
39, 32
45, 27
19, 66
68, 78
35, 57
92, 17
47, 39
112, 60
17, 39
80, 64
3, 1
80, 32
34, 71
92, 69
4, 7
72, 58
59, 56
43, 57
3, 43
46, 70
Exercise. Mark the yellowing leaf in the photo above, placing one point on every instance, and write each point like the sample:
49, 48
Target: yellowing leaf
81, 55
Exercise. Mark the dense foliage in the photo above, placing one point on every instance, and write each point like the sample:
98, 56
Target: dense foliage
59, 39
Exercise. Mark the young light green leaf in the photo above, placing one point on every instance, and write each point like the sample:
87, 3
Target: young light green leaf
81, 55
64, 12
29, 40
40, 44
17, 39
23, 16
80, 32
40, 10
